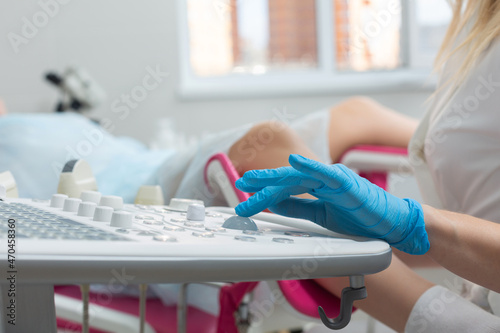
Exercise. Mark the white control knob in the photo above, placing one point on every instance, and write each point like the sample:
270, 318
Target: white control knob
196, 212
149, 195
57, 200
91, 196
121, 219
9, 183
103, 214
86, 209
182, 205
112, 201
71, 205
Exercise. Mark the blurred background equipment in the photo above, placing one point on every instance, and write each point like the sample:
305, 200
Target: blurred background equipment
80, 92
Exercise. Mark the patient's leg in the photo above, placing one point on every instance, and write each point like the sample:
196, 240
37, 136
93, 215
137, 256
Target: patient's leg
267, 145
361, 120
357, 120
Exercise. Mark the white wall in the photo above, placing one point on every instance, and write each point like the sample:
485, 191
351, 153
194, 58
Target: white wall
116, 40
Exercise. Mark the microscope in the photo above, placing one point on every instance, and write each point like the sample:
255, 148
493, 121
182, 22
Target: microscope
80, 92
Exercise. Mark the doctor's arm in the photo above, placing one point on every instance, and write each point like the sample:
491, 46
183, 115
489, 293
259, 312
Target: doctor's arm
351, 205
465, 245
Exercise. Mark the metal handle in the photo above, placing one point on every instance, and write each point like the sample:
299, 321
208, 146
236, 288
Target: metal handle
356, 291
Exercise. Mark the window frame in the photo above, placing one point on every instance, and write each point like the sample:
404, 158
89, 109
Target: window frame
322, 80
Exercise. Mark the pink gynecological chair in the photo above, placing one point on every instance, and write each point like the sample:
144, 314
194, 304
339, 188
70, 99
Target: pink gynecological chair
302, 297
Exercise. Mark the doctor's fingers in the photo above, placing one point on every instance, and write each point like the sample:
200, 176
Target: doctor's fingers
336, 177
269, 196
278, 177
243, 186
255, 184
308, 209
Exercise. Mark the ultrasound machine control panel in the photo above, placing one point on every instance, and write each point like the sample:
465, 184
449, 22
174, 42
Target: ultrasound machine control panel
87, 239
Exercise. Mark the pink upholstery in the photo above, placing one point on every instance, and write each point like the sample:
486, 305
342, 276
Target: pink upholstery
162, 318
377, 149
229, 301
305, 296
230, 172
377, 177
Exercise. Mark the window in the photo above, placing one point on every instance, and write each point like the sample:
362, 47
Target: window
251, 36
272, 45
432, 22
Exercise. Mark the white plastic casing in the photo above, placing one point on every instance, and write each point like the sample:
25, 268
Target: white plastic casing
91, 196
79, 179
182, 205
112, 201
149, 195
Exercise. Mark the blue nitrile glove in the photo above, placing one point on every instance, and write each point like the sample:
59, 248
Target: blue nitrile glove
347, 203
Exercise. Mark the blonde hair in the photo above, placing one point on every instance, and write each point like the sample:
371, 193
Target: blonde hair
483, 18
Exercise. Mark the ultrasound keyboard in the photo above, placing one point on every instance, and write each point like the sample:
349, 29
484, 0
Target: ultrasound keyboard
36, 223
98, 239
103, 225
86, 234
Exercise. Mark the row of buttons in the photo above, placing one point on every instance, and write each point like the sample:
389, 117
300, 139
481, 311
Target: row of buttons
36, 223
168, 238
194, 217
149, 220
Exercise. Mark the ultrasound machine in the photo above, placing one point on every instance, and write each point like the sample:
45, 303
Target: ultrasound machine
82, 237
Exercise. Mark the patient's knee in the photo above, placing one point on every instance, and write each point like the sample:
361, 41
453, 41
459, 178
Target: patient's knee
361, 100
264, 136
274, 133
356, 106
261, 139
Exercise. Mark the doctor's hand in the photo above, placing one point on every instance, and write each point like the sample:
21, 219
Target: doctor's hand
347, 203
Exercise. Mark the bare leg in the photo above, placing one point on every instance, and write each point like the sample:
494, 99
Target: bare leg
357, 120
267, 145
361, 120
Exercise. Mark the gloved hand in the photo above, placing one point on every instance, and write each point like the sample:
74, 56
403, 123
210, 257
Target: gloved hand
347, 203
